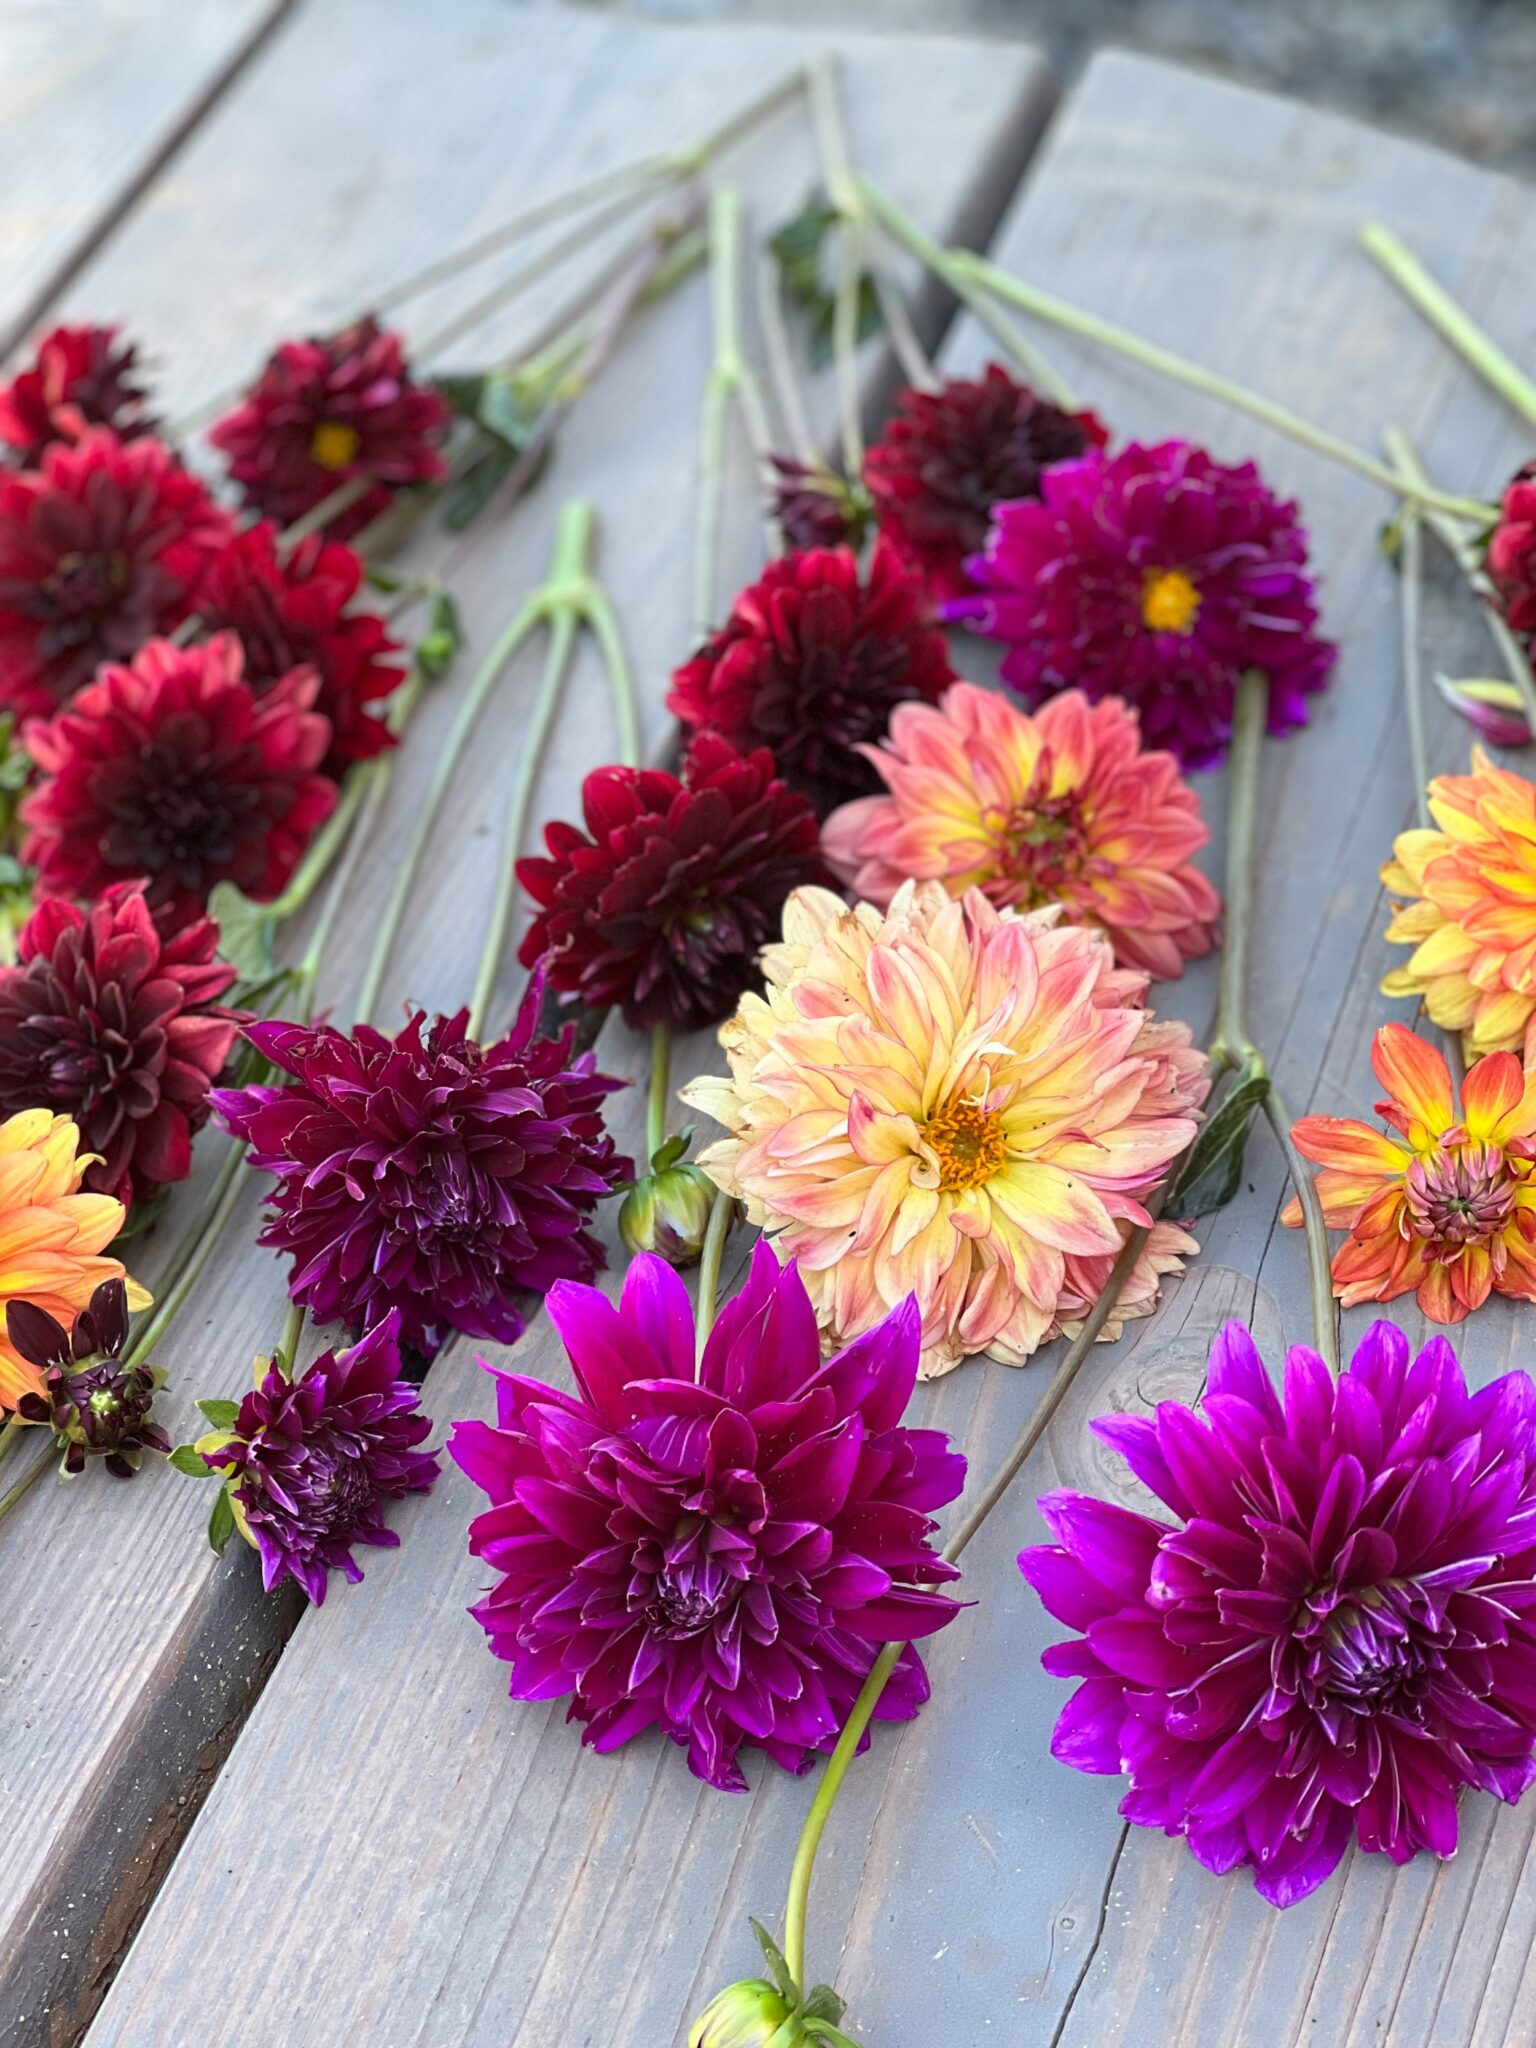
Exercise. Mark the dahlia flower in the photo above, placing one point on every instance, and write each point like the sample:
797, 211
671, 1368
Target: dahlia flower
811, 662
1337, 1631
816, 507
1446, 1209
1160, 576
714, 1552
1063, 807
1472, 923
427, 1173
78, 378
290, 610
951, 1101
170, 769
947, 458
103, 546
51, 1236
1511, 558
96, 1406
325, 411
660, 906
311, 1462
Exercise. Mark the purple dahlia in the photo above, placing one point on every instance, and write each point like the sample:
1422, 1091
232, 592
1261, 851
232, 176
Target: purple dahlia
427, 1173
1337, 1632
714, 1552
1158, 575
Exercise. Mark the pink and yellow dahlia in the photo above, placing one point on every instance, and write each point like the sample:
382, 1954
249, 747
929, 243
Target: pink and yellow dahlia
953, 1101
1059, 807
1472, 920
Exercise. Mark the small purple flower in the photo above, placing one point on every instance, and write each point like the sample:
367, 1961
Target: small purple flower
717, 1552
1337, 1634
96, 1406
311, 1462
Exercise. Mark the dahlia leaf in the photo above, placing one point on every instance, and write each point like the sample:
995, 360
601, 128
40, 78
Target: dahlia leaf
478, 485
245, 932
186, 1459
1215, 1168
221, 1523
797, 246
222, 1414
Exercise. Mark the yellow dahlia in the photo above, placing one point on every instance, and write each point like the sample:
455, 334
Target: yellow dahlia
1472, 917
51, 1235
952, 1101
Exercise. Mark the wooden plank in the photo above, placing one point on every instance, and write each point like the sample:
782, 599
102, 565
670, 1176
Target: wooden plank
95, 97
276, 221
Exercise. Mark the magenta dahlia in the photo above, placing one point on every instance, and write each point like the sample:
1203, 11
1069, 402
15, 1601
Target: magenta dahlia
103, 546
1156, 575
171, 769
1336, 1633
811, 663
715, 1551
947, 458
661, 905
325, 411
78, 378
427, 1173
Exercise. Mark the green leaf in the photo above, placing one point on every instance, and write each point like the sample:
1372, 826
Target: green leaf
221, 1523
465, 500
245, 932
504, 411
435, 650
463, 393
671, 1150
1211, 1178
800, 247
187, 1460
222, 1414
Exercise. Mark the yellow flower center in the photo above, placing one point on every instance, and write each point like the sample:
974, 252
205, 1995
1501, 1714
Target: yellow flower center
969, 1145
1170, 602
334, 444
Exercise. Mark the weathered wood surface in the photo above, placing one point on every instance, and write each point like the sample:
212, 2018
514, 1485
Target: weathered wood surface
94, 97
127, 1654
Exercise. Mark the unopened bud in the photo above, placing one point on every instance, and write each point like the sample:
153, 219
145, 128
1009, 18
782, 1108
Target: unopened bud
668, 1212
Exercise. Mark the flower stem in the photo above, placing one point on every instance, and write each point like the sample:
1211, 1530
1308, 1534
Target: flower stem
345, 495
709, 1265
226, 1191
603, 624
9, 1433
1442, 312
657, 1101
286, 1357
322, 849
24, 1485
1325, 1317
731, 377
848, 203
1410, 568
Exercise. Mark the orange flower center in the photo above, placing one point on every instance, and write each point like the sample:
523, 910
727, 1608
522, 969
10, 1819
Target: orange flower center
968, 1143
334, 444
1460, 1194
1170, 602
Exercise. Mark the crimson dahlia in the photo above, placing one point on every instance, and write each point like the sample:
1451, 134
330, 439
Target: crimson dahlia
1512, 552
78, 378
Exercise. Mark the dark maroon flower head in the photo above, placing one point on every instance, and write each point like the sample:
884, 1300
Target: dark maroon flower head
325, 411
290, 610
661, 905
815, 507
1337, 1631
103, 546
427, 1173
312, 1462
95, 1406
717, 1552
78, 378
811, 663
112, 1022
948, 457
1512, 552
171, 769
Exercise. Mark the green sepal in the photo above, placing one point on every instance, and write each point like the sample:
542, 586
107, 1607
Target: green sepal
778, 1969
824, 2005
222, 1414
221, 1522
1215, 1167
187, 1459
671, 1150
435, 650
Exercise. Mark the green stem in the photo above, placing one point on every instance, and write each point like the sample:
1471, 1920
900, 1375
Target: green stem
286, 1357
9, 1433
1249, 715
322, 849
658, 1100
731, 378
229, 1171
603, 624
345, 495
24, 1485
848, 203
709, 1265
230, 1186
1442, 312
1325, 1316
1410, 567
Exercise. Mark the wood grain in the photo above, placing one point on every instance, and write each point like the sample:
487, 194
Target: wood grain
127, 1656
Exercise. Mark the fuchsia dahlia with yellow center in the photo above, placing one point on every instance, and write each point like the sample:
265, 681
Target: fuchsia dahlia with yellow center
955, 1102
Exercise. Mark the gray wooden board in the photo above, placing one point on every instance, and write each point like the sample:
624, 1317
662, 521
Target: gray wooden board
127, 1655
94, 94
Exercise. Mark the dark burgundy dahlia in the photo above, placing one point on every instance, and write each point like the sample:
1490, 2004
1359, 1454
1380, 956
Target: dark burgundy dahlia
1336, 1633
816, 507
118, 1025
325, 411
171, 769
717, 1552
811, 663
427, 1173
661, 905
103, 546
78, 378
312, 1462
96, 1406
947, 457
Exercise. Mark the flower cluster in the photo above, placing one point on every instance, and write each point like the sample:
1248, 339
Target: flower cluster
78, 378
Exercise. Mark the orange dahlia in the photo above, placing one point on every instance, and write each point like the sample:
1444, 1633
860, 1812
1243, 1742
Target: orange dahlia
1447, 1208
1472, 917
953, 1101
1059, 807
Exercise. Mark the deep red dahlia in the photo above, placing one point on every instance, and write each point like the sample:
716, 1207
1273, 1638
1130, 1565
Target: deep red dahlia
327, 410
660, 906
290, 611
79, 378
102, 547
120, 1027
1512, 551
948, 456
811, 663
171, 768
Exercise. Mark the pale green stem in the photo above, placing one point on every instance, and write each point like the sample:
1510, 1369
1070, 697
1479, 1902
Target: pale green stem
286, 1357
783, 376
1410, 567
603, 624
322, 849
1454, 323
731, 378
847, 202
8, 1435
1325, 1316
709, 1265
345, 495
230, 1186
657, 1101
24, 1485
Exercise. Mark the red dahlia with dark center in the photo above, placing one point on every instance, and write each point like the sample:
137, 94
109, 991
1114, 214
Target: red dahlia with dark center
171, 768
811, 663
78, 378
103, 546
661, 905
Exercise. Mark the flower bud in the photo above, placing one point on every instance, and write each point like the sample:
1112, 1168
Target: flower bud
668, 1212
745, 2015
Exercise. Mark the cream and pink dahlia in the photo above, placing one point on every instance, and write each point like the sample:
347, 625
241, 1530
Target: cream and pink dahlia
951, 1101
1060, 807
